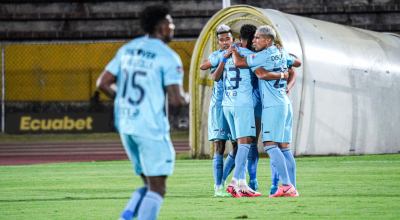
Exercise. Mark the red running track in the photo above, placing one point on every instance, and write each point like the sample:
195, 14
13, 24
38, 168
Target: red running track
35, 153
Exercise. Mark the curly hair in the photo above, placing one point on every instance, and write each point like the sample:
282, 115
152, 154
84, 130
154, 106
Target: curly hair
247, 32
151, 17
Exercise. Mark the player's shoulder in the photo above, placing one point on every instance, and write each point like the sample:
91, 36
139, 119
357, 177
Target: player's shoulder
244, 51
217, 52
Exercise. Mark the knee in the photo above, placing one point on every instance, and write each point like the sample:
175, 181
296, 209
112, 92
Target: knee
219, 147
159, 189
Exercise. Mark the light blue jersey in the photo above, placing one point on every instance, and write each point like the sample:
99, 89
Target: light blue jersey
238, 83
144, 67
218, 90
273, 92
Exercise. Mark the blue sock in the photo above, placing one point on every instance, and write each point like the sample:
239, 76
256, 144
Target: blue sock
218, 163
229, 165
274, 175
279, 161
241, 160
252, 161
150, 206
291, 165
132, 207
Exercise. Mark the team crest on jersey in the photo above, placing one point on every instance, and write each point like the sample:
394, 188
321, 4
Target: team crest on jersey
222, 131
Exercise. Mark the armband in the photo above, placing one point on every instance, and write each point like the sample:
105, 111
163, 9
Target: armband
282, 75
224, 59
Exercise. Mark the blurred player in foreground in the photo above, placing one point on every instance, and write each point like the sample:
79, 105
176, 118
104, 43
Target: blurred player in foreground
218, 128
145, 69
277, 109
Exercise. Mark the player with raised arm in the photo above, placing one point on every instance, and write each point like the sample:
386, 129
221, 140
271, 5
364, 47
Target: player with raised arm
218, 129
145, 69
277, 109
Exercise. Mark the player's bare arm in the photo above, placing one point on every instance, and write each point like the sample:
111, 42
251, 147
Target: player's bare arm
105, 83
176, 95
239, 61
216, 75
205, 65
261, 73
297, 62
291, 80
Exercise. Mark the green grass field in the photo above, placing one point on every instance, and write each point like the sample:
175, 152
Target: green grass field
348, 187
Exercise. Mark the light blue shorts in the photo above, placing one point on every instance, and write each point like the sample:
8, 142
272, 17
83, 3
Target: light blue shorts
218, 128
277, 123
149, 157
258, 110
241, 121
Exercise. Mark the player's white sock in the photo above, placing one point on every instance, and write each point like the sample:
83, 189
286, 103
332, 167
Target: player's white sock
234, 181
218, 187
242, 182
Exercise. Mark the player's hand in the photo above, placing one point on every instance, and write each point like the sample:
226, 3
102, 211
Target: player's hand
278, 46
285, 75
288, 88
228, 52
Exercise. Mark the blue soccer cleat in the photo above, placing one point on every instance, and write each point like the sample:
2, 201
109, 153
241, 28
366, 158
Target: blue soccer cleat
273, 190
253, 184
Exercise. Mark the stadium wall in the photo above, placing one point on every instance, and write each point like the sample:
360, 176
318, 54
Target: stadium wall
60, 78
345, 99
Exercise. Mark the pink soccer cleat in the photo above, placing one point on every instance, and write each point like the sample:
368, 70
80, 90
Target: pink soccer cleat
245, 190
287, 191
234, 190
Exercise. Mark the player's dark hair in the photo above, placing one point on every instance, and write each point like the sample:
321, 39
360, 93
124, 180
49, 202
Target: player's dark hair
151, 17
247, 32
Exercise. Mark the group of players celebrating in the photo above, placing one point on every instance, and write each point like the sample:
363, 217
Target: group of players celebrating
252, 82
146, 68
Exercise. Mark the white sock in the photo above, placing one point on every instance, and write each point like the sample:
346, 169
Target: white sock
242, 182
234, 180
218, 187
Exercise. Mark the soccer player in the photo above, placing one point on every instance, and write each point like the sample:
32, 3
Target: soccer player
274, 175
246, 37
145, 69
218, 129
277, 110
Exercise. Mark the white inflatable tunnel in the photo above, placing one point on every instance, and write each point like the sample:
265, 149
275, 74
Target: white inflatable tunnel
346, 99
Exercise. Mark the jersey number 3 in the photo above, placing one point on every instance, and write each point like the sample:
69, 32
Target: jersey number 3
134, 86
235, 79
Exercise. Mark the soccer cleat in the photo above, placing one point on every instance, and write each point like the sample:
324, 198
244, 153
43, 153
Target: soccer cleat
296, 194
233, 189
222, 193
248, 192
287, 191
273, 190
253, 184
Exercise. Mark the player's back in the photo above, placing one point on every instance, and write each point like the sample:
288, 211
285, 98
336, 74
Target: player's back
147, 65
238, 83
